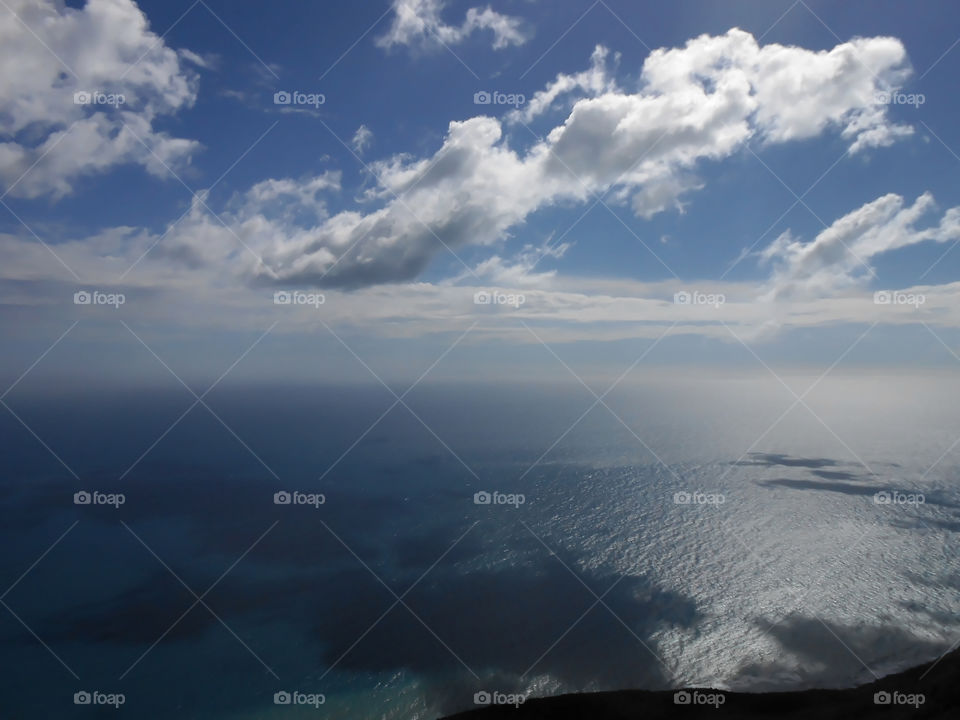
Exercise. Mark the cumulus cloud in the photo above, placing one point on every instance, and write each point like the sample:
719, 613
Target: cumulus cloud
702, 102
839, 256
106, 55
418, 23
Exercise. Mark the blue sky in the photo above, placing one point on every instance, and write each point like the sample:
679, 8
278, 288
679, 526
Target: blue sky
697, 125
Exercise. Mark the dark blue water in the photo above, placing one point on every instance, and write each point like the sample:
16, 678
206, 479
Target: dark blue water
398, 596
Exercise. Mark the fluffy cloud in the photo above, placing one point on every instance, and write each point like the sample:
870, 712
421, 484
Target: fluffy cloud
839, 256
697, 103
418, 23
796, 93
63, 55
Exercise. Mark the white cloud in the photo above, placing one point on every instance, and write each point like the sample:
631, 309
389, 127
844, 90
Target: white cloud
361, 139
839, 257
595, 80
302, 193
418, 23
658, 196
199, 274
105, 47
476, 189
517, 271
564, 308
698, 103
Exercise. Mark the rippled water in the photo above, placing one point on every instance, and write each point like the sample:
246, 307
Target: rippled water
600, 579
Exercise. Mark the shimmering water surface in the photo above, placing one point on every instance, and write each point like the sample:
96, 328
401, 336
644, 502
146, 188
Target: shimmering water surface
401, 597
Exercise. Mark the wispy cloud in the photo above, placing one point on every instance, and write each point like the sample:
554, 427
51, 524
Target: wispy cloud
839, 256
418, 23
362, 139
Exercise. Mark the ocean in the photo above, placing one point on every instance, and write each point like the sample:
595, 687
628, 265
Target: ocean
258, 560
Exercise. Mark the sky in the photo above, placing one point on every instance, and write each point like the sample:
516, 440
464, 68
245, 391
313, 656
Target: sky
356, 192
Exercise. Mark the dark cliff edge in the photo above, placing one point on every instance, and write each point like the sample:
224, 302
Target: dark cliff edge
938, 688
